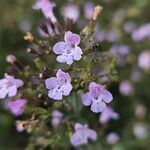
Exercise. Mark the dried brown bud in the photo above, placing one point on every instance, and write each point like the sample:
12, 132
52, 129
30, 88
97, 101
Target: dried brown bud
97, 11
28, 37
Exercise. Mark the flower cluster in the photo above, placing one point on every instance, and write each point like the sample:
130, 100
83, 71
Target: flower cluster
65, 80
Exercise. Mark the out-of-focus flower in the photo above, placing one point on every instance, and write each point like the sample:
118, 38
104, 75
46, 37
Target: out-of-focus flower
140, 131
129, 27
10, 58
16, 107
82, 134
112, 138
135, 75
99, 34
59, 85
144, 60
97, 97
68, 50
71, 11
120, 49
19, 126
141, 33
111, 36
25, 26
46, 7
126, 88
56, 118
9, 85
107, 115
89, 10
140, 111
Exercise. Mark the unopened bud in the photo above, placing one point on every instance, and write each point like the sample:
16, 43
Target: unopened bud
10, 58
28, 37
97, 11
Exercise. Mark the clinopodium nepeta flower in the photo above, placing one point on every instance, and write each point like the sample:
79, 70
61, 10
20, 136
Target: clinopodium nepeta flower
46, 7
16, 107
82, 134
107, 115
69, 49
59, 85
9, 85
97, 97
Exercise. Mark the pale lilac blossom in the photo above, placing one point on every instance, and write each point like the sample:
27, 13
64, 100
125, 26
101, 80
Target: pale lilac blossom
68, 50
89, 10
70, 11
46, 7
112, 138
129, 27
56, 118
140, 131
112, 36
16, 107
144, 60
82, 135
9, 86
59, 86
97, 97
107, 115
141, 33
126, 88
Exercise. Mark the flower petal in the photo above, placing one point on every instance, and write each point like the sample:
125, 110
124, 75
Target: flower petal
72, 39
55, 94
59, 47
106, 96
91, 134
12, 91
19, 83
87, 99
62, 58
77, 53
3, 92
51, 83
76, 139
92, 86
67, 89
98, 106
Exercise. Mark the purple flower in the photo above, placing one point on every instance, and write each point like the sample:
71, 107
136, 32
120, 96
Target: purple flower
126, 88
112, 138
144, 60
140, 131
141, 33
68, 50
97, 97
89, 10
16, 107
107, 115
46, 7
9, 85
82, 134
59, 85
56, 118
70, 11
